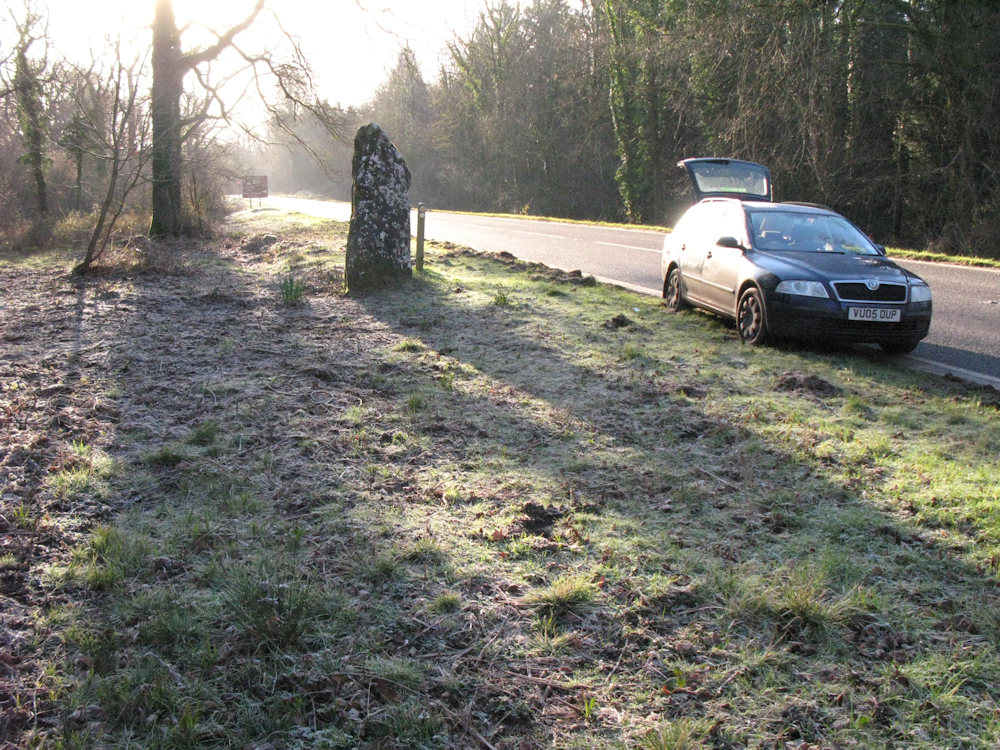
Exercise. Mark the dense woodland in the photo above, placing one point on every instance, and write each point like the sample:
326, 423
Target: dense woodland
883, 109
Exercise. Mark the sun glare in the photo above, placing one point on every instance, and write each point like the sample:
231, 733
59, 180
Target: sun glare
351, 44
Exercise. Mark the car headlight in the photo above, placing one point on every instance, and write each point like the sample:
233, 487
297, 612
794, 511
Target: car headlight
920, 293
803, 288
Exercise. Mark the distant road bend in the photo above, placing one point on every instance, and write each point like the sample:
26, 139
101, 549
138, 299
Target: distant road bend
965, 334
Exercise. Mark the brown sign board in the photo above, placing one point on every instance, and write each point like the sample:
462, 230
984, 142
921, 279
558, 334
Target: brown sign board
254, 186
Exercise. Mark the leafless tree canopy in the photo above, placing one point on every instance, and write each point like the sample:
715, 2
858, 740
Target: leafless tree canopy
119, 139
883, 109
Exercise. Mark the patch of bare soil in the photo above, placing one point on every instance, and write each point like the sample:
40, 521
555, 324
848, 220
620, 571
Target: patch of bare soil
812, 385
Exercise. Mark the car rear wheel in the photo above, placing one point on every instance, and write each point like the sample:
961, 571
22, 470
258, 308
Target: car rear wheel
899, 347
751, 318
672, 291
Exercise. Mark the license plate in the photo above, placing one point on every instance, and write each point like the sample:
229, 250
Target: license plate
875, 314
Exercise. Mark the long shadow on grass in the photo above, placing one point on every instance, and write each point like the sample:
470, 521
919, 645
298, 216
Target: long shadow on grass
740, 555
524, 517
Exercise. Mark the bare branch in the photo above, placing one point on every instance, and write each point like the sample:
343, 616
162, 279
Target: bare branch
225, 40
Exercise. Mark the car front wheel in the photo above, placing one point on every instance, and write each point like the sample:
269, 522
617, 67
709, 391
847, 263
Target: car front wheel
751, 318
672, 291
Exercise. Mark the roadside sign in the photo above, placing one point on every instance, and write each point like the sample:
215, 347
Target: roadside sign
254, 186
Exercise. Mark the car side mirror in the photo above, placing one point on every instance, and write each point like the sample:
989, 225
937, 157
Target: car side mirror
881, 249
729, 242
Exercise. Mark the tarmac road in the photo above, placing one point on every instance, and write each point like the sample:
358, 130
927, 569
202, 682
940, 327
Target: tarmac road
965, 331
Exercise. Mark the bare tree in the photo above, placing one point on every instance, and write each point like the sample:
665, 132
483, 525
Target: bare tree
170, 65
27, 87
77, 142
516, 112
121, 142
298, 120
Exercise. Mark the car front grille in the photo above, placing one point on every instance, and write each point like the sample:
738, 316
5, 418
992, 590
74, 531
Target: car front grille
858, 291
812, 327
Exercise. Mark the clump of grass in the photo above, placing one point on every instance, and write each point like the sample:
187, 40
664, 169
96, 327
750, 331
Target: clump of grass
140, 688
632, 352
273, 606
857, 406
113, 557
71, 482
445, 603
501, 298
356, 414
23, 517
798, 602
548, 640
425, 550
201, 531
683, 734
451, 495
410, 724
216, 388
204, 434
566, 595
292, 290
88, 478
166, 622
410, 345
380, 568
404, 673
168, 456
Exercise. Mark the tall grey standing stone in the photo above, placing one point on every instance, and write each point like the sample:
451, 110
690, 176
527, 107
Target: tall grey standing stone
378, 243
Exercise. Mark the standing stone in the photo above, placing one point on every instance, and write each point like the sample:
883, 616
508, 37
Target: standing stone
378, 243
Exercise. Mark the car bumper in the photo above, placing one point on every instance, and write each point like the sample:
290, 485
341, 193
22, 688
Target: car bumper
808, 318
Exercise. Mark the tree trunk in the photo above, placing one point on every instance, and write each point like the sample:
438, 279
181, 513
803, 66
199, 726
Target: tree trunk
29, 102
78, 185
168, 74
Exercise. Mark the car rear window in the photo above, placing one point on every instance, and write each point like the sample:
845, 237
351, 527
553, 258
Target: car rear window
730, 177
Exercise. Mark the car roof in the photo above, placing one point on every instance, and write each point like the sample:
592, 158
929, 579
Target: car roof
728, 178
758, 205
802, 208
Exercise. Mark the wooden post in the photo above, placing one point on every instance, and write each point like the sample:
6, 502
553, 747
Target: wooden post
421, 213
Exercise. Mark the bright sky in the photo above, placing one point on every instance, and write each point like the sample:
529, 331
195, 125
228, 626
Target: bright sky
351, 44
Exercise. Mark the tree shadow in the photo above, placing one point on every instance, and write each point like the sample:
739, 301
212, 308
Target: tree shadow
739, 505
445, 436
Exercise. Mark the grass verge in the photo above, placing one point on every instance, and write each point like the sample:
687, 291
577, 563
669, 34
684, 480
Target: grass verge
498, 506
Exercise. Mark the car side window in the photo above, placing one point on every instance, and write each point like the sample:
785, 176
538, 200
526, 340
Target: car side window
733, 224
705, 230
703, 224
721, 220
687, 228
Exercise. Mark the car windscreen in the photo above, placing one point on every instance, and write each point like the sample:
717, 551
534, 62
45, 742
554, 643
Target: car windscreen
808, 232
